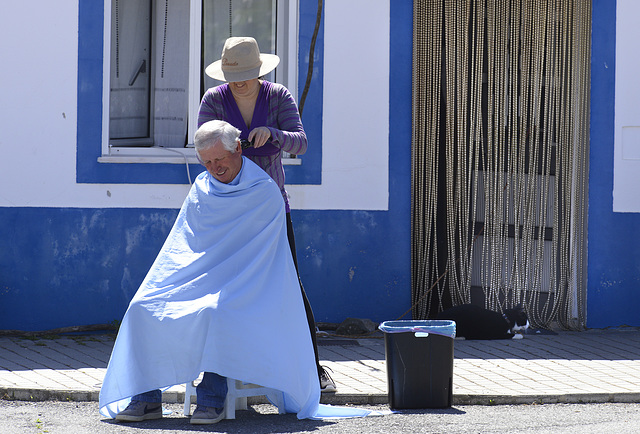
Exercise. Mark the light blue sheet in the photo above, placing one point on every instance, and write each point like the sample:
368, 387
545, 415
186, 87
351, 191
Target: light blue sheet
222, 296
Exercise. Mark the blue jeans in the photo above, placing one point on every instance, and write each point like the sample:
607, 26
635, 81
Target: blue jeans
211, 392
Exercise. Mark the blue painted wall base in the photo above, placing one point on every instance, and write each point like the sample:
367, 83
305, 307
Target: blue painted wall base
613, 289
64, 267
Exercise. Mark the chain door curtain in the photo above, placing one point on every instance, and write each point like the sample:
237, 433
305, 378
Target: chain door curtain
500, 156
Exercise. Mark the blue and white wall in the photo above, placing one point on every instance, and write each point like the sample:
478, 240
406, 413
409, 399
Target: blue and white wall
613, 295
77, 236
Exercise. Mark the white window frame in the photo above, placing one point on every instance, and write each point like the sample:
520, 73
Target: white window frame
286, 73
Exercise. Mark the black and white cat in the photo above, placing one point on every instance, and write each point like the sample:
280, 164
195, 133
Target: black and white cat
475, 322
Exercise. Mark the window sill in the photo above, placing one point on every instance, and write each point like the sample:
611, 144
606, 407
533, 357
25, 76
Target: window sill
157, 155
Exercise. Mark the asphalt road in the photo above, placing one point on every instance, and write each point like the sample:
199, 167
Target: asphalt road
82, 417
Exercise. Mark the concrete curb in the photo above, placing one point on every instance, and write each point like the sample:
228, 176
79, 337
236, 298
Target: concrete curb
38, 395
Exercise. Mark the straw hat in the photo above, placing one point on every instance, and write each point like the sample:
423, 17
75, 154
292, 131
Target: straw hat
241, 60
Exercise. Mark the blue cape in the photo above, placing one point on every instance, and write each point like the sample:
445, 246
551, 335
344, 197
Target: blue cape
222, 296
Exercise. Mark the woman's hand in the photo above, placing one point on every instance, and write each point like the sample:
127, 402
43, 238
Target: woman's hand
259, 136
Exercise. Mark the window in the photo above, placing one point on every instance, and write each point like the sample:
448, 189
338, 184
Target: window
156, 52
98, 162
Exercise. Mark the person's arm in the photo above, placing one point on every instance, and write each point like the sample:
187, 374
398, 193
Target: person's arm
287, 132
210, 107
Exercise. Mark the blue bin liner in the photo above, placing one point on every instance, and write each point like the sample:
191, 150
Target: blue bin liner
437, 327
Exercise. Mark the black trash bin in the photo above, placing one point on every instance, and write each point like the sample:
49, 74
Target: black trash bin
419, 357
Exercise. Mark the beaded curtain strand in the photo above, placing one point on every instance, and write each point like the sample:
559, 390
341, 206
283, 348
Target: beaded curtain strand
500, 155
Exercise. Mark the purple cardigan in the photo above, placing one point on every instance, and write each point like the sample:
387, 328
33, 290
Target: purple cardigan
276, 110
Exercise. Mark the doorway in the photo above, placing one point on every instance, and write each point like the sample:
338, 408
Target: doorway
500, 157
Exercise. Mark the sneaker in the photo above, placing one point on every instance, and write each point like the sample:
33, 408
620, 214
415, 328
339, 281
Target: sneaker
207, 415
327, 385
138, 411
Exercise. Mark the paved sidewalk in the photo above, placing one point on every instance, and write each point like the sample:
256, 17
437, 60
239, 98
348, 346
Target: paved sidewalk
570, 367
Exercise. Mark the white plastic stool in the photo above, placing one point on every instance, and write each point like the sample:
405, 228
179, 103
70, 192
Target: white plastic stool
237, 394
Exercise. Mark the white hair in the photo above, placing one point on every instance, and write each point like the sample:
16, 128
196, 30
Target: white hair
216, 131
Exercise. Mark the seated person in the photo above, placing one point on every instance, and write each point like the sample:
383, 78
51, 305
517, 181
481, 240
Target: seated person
222, 298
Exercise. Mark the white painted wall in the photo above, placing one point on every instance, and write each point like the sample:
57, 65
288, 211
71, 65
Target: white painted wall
39, 114
626, 177
355, 133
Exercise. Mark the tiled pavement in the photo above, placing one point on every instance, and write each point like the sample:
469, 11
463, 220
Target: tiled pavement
589, 366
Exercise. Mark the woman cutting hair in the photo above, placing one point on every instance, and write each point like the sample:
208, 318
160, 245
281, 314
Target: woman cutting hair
270, 124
